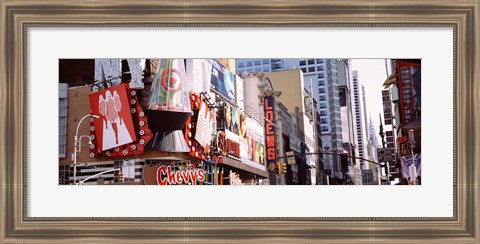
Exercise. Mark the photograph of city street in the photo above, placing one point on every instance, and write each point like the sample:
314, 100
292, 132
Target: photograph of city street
223, 121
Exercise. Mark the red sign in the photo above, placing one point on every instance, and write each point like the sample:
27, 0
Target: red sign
142, 131
166, 175
198, 133
270, 129
402, 144
115, 126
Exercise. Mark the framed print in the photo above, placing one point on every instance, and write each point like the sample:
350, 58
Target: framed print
37, 36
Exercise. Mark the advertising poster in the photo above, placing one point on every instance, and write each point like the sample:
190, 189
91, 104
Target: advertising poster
114, 127
254, 135
235, 121
232, 119
222, 81
235, 145
244, 137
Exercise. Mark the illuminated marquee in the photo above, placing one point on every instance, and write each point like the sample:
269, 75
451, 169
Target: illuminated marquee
270, 129
166, 175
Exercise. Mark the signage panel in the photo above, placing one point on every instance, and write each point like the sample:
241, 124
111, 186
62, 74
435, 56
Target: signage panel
114, 127
270, 129
222, 81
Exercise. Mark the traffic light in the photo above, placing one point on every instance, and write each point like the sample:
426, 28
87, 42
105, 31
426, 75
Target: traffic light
282, 168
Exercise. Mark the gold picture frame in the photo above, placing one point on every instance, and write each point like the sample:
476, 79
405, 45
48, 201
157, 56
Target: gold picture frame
17, 16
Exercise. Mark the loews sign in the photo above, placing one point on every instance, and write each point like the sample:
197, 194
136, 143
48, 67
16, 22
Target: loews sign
270, 129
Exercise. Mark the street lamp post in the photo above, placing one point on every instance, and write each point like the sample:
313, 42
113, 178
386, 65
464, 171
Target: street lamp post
81, 182
77, 144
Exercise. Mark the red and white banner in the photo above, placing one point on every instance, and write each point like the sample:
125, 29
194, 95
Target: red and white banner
203, 133
198, 129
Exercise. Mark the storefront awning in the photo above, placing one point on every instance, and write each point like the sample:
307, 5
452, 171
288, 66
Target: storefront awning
239, 165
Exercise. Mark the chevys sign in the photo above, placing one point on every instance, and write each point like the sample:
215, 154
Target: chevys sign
170, 173
166, 175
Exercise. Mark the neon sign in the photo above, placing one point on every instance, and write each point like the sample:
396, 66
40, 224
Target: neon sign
270, 129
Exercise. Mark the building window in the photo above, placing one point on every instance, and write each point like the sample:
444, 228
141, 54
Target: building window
324, 128
250, 70
257, 62
311, 69
265, 61
258, 69
321, 76
304, 70
62, 125
322, 105
303, 63
311, 61
323, 113
249, 63
319, 61
266, 69
241, 64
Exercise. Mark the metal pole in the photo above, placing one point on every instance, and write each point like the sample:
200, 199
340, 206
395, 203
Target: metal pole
75, 160
411, 136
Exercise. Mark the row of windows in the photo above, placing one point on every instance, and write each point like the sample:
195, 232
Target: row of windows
312, 69
256, 69
252, 63
311, 61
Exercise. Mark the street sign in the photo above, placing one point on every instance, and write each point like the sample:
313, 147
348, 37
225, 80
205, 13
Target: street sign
385, 155
386, 158
385, 151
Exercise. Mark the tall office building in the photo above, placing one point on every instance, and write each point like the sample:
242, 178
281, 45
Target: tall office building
348, 110
323, 76
358, 115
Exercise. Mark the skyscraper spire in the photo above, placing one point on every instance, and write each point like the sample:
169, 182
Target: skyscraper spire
372, 134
